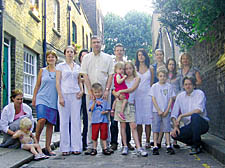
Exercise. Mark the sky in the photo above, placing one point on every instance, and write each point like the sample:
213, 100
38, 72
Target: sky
121, 7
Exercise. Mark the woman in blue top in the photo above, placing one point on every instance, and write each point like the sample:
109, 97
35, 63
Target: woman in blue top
45, 100
188, 70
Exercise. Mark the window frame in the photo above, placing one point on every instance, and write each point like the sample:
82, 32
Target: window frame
30, 77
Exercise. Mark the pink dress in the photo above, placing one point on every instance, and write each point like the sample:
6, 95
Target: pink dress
121, 86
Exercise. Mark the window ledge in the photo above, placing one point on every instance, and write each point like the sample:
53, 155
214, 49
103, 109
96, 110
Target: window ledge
34, 16
56, 32
19, 1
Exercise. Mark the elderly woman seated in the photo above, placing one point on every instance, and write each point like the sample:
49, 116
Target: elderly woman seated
10, 119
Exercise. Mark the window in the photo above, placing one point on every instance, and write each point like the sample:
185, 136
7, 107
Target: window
86, 41
56, 21
83, 37
35, 3
29, 70
74, 33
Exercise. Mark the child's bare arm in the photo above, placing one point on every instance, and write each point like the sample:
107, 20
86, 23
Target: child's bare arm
156, 105
168, 107
17, 134
33, 137
93, 105
119, 80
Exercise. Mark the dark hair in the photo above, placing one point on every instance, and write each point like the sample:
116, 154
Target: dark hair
71, 48
147, 59
15, 93
118, 45
80, 54
193, 80
96, 86
95, 37
175, 67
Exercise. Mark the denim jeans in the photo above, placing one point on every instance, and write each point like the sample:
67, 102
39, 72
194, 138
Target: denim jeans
191, 134
85, 121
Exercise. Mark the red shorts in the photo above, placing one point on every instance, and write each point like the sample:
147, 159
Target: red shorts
103, 127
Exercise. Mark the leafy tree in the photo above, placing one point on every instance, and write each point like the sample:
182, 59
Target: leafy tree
133, 31
190, 20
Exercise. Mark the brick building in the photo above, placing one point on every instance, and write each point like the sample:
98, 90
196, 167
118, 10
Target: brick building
24, 34
95, 17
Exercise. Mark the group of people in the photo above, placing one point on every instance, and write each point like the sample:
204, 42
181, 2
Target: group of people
156, 96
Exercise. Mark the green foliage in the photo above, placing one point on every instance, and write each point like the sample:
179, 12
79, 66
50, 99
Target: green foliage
190, 20
133, 31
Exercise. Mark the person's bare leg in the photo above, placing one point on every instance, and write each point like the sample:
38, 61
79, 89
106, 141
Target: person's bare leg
140, 130
155, 137
40, 125
159, 141
31, 148
148, 133
123, 133
49, 131
133, 127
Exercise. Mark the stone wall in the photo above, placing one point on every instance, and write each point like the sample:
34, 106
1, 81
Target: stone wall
209, 57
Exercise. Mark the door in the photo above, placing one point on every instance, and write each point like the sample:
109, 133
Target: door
6, 72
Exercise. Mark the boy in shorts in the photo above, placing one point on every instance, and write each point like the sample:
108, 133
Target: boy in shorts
162, 94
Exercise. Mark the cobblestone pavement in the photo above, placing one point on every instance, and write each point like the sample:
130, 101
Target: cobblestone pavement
181, 159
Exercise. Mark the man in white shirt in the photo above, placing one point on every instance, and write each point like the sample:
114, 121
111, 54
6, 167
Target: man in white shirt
191, 104
96, 67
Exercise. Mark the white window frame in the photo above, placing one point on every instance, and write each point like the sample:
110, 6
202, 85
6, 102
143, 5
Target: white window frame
30, 75
55, 12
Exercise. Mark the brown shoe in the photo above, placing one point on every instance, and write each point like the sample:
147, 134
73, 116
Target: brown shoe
130, 147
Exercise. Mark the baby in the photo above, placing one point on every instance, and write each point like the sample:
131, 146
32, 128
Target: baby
27, 139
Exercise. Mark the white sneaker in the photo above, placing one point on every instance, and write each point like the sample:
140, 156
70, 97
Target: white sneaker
141, 152
37, 157
125, 150
43, 156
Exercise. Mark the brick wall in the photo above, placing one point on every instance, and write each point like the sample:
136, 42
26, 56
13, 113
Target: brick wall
209, 57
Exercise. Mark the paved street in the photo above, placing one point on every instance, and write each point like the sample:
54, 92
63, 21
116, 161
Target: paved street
181, 159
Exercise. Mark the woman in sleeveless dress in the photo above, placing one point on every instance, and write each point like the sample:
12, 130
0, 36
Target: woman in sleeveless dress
45, 100
143, 101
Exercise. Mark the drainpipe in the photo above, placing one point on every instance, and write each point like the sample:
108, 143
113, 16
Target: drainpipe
68, 9
1, 37
44, 40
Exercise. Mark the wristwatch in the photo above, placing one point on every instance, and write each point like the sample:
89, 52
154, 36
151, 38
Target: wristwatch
107, 89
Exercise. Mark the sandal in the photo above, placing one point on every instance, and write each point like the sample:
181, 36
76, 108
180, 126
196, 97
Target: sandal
93, 152
65, 153
76, 153
147, 145
50, 153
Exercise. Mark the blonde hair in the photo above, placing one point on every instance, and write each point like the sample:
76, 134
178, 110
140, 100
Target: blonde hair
162, 69
52, 53
25, 123
119, 65
188, 57
134, 69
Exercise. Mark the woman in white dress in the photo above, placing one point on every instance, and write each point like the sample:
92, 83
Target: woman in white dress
70, 91
143, 101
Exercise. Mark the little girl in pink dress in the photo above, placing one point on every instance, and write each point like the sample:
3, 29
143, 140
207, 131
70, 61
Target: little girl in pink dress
119, 83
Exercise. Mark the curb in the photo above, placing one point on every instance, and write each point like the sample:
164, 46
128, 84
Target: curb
215, 146
54, 145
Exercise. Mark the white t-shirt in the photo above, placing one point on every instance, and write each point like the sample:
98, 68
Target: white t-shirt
69, 78
162, 94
